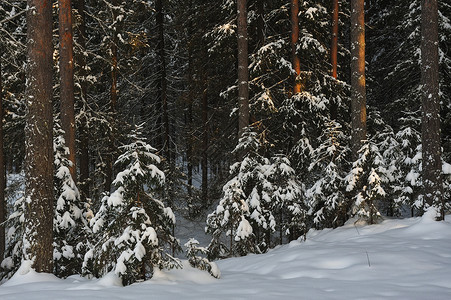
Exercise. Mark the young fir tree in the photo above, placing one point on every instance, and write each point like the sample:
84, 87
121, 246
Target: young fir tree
287, 200
327, 199
70, 223
196, 258
240, 203
364, 183
14, 240
133, 229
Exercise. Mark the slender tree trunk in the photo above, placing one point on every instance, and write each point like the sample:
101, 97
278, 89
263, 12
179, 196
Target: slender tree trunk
204, 162
260, 23
334, 53
294, 39
162, 81
189, 117
2, 174
334, 40
83, 132
38, 236
358, 87
67, 80
243, 71
430, 137
114, 97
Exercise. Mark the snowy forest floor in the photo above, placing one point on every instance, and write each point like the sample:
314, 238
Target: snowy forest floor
397, 259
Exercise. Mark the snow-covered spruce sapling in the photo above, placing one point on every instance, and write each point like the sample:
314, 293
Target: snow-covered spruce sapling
197, 258
235, 212
133, 229
69, 224
326, 198
14, 240
364, 184
287, 201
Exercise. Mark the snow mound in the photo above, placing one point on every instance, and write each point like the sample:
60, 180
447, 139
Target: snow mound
396, 259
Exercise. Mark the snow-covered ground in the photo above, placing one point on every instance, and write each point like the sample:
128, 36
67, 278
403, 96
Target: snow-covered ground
397, 259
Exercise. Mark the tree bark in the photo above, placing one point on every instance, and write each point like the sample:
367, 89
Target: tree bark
2, 174
358, 86
334, 41
83, 132
67, 80
243, 70
296, 62
432, 164
38, 236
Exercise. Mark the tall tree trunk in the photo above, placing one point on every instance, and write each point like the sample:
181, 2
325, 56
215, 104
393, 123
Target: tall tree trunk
204, 162
243, 71
358, 87
83, 132
38, 237
334, 40
189, 116
114, 97
67, 80
2, 174
294, 39
260, 23
162, 80
430, 137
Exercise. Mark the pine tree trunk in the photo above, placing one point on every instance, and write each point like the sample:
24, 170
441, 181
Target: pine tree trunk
358, 87
430, 137
162, 80
260, 23
204, 162
114, 97
38, 236
83, 132
296, 62
243, 71
67, 80
189, 116
2, 175
334, 43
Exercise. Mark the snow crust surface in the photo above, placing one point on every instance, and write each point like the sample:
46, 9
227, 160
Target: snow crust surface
397, 259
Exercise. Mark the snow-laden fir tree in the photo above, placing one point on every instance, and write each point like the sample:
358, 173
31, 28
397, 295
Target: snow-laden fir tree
327, 200
133, 229
409, 188
384, 137
197, 258
364, 183
14, 240
70, 223
232, 216
287, 201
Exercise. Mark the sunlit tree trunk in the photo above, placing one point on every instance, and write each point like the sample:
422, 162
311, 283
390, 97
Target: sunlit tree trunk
295, 61
38, 236
67, 79
358, 87
243, 71
334, 43
432, 164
